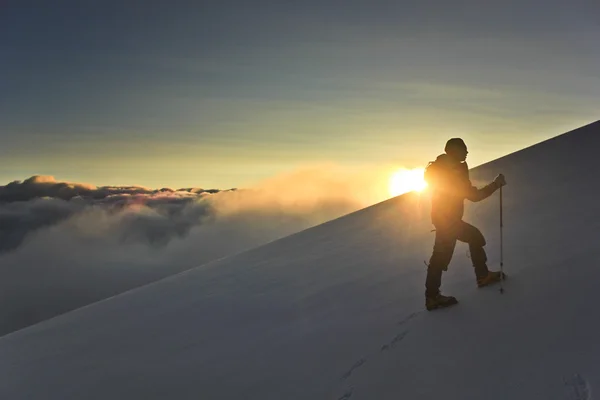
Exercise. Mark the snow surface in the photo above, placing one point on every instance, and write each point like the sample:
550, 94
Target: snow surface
337, 311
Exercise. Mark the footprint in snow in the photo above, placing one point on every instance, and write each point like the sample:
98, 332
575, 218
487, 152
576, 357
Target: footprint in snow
578, 388
346, 395
411, 316
353, 368
398, 338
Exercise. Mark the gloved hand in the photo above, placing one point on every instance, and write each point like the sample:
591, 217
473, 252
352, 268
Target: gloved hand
500, 181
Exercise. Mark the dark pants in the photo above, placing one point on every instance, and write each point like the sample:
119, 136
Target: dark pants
445, 241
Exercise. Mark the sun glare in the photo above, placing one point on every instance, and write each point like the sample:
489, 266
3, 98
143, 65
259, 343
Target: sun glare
407, 180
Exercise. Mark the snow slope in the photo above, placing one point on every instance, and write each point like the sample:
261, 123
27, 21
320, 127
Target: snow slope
336, 311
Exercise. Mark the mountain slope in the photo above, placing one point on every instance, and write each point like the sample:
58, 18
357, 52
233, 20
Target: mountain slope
336, 311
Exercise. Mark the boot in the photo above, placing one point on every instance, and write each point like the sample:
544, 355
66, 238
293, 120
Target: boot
491, 278
439, 301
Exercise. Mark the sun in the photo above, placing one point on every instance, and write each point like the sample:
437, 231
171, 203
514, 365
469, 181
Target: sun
407, 180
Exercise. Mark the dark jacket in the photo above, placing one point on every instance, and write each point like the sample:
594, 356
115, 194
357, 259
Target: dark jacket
450, 185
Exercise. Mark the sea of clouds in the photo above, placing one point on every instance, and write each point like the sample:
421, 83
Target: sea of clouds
64, 245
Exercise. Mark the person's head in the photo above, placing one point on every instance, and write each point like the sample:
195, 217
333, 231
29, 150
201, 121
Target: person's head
457, 149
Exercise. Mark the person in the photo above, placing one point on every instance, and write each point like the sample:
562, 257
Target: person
448, 178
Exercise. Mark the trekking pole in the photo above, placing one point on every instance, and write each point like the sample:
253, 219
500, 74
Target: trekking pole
501, 247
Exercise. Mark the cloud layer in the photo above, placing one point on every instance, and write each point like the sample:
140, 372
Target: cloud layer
152, 215
64, 245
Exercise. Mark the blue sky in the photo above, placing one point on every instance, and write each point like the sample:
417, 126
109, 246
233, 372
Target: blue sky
225, 93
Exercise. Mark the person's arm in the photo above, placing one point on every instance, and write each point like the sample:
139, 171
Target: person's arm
474, 194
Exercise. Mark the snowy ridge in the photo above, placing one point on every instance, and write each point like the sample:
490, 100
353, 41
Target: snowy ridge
336, 311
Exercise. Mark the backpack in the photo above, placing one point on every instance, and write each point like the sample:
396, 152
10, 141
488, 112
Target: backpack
432, 173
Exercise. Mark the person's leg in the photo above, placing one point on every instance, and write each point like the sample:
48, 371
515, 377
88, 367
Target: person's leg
443, 249
473, 236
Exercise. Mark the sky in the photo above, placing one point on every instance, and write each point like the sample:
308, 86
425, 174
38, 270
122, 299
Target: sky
223, 94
